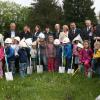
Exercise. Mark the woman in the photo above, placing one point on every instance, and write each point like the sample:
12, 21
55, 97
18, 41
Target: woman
37, 32
64, 34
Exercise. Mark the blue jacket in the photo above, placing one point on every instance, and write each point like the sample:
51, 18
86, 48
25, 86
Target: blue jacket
10, 54
23, 56
58, 51
68, 51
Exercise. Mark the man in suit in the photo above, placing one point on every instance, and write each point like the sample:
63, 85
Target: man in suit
87, 30
57, 31
74, 31
26, 33
12, 32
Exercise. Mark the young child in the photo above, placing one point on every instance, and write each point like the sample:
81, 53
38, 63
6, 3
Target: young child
58, 54
42, 47
96, 57
50, 51
67, 52
1, 60
76, 40
16, 48
33, 53
10, 55
23, 59
86, 56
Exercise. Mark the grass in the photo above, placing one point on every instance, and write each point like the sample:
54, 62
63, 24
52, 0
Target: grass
50, 86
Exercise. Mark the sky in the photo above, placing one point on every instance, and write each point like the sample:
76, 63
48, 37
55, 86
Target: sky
28, 2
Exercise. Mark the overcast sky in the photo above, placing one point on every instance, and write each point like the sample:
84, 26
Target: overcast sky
27, 3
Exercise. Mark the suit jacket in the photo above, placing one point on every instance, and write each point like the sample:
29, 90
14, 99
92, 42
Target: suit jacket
35, 36
56, 34
85, 34
73, 35
25, 35
8, 34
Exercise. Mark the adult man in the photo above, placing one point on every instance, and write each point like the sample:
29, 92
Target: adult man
12, 32
74, 31
57, 31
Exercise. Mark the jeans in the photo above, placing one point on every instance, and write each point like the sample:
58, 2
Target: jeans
12, 66
22, 69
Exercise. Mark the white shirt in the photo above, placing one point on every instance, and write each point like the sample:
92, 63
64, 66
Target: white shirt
12, 34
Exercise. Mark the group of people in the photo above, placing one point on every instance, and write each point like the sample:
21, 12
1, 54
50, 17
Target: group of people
70, 47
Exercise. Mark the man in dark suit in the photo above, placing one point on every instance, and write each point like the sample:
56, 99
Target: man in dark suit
87, 31
26, 33
74, 31
57, 31
12, 32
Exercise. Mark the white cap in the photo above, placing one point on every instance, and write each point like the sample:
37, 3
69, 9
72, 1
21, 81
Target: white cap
17, 38
8, 41
28, 41
66, 40
80, 45
56, 42
41, 35
78, 38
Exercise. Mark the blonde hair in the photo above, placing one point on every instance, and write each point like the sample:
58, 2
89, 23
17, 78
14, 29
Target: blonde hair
97, 45
66, 26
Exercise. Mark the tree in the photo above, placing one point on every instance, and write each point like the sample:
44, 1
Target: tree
79, 10
45, 12
12, 12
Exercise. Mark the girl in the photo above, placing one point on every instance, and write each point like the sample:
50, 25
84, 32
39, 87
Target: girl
67, 52
1, 60
86, 56
58, 54
76, 40
50, 51
33, 53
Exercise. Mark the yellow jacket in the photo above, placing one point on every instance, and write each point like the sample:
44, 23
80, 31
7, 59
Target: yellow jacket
97, 54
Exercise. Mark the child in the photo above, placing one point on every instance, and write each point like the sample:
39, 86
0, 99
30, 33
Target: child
10, 55
76, 40
50, 51
67, 52
86, 56
42, 47
16, 48
1, 60
58, 54
96, 57
23, 59
33, 53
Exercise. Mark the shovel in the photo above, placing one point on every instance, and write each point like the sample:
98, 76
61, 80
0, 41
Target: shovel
29, 68
62, 68
39, 67
71, 71
8, 74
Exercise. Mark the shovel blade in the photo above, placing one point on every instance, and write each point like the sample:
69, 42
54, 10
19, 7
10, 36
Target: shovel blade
61, 69
9, 76
70, 71
39, 68
29, 70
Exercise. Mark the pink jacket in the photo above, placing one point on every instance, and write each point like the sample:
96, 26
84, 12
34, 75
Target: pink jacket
1, 53
86, 55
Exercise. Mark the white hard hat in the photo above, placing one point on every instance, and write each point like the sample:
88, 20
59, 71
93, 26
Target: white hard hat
78, 38
98, 98
22, 44
17, 38
28, 41
56, 42
8, 41
80, 45
34, 43
66, 40
41, 35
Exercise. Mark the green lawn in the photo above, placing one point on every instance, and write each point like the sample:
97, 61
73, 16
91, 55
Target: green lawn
50, 86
